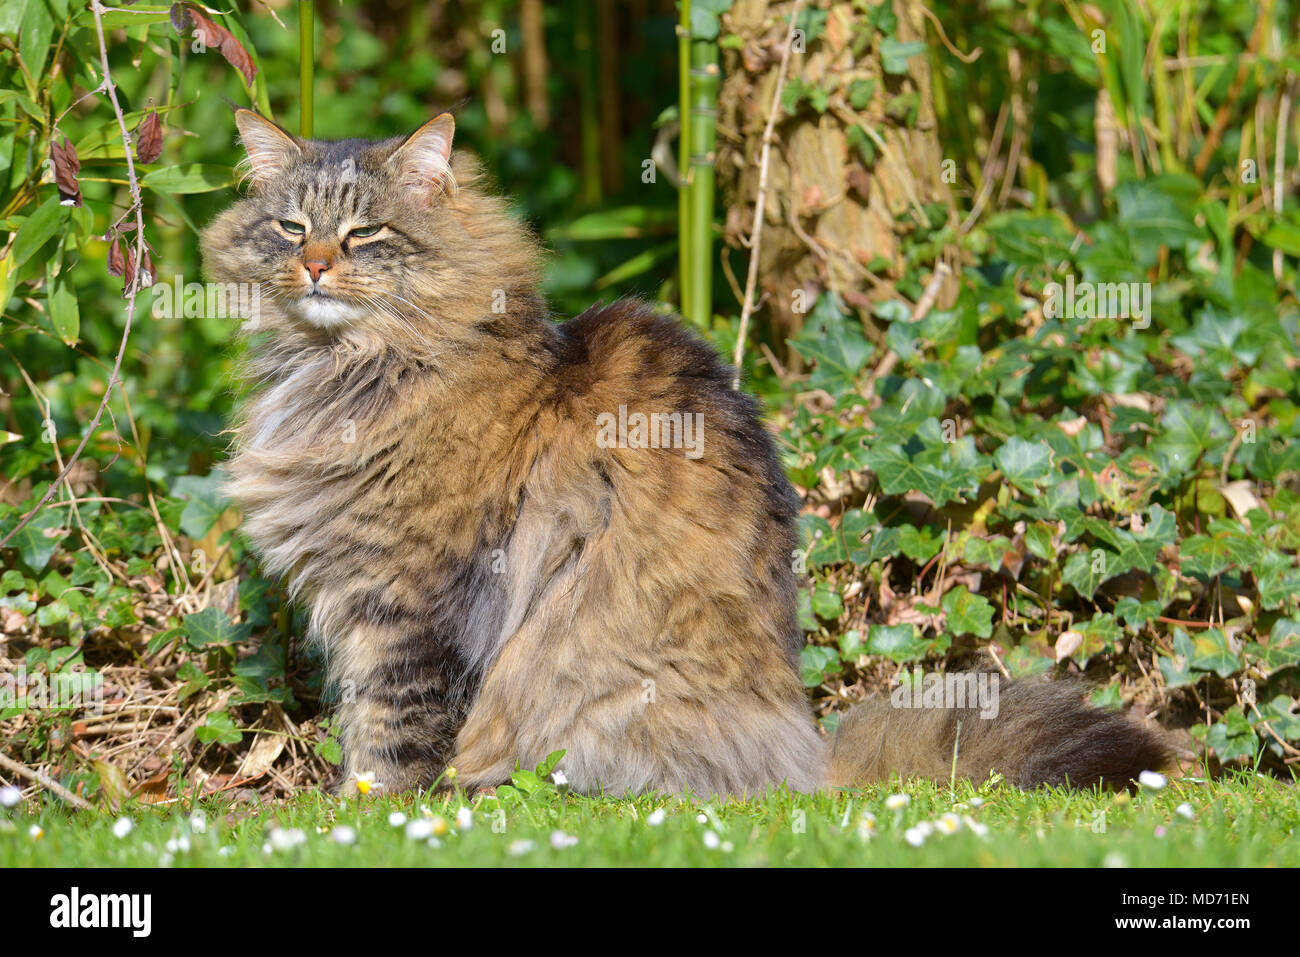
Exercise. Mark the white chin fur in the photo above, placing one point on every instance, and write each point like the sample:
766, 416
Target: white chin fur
327, 313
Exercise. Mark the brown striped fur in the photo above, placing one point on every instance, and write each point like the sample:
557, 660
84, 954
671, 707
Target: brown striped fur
417, 456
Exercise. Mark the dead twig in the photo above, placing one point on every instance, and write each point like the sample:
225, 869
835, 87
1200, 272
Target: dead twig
45, 781
760, 202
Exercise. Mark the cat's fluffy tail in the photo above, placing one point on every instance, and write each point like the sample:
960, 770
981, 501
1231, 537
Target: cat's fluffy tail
1031, 732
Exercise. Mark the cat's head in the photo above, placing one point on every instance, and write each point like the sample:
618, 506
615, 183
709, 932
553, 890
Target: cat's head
363, 237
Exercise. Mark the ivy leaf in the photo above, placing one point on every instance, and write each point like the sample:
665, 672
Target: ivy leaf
968, 614
1137, 550
218, 727
37, 540
1204, 555
896, 642
203, 502
840, 351
1085, 570
816, 663
899, 475
826, 602
1177, 669
1136, 613
1024, 463
212, 626
1232, 738
1283, 648
1211, 652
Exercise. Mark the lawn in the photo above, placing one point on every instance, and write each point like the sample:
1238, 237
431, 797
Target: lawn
1240, 820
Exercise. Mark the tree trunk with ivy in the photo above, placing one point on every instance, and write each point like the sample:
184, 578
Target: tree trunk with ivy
855, 165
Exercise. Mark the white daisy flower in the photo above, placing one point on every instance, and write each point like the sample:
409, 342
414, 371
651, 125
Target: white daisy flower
1153, 780
440, 826
977, 802
365, 782
560, 840
711, 840
122, 827
36, 832
284, 839
344, 835
198, 823
419, 830
10, 796
701, 819
978, 829
948, 824
656, 817
520, 847
397, 819
464, 819
896, 802
1185, 810
560, 780
914, 836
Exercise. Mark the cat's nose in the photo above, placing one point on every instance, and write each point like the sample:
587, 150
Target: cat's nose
315, 267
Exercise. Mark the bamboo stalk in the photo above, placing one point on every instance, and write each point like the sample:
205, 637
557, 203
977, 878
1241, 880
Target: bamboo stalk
684, 258
703, 123
306, 66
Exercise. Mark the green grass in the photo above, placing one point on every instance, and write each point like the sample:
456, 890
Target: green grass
1239, 821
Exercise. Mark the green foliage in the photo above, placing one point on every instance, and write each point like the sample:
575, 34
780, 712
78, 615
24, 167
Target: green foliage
1049, 473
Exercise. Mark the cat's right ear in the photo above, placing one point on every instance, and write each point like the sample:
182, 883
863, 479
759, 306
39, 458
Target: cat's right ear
270, 149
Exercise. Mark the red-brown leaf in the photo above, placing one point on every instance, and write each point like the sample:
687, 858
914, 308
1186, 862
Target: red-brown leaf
149, 139
128, 274
116, 265
66, 167
186, 16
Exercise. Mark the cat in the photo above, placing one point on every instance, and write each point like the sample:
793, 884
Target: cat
498, 557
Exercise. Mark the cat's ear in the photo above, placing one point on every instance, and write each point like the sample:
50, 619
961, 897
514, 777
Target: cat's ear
423, 161
270, 149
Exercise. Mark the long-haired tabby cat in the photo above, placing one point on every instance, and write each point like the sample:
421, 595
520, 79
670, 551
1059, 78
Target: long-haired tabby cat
499, 559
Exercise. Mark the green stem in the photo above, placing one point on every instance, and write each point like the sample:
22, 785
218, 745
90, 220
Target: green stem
306, 65
703, 121
684, 257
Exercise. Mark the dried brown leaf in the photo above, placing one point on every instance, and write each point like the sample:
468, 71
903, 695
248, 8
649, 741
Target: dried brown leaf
66, 167
149, 139
188, 17
116, 265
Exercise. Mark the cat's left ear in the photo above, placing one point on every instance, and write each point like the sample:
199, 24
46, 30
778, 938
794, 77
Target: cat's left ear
423, 162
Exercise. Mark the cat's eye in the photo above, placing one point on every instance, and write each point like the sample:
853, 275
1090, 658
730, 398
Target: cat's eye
364, 232
296, 229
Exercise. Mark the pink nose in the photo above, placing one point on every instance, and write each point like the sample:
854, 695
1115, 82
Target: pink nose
315, 267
